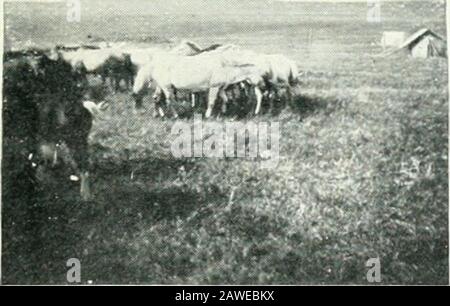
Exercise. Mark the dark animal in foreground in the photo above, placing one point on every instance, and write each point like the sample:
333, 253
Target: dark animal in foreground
43, 109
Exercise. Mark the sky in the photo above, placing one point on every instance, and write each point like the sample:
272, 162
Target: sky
362, 1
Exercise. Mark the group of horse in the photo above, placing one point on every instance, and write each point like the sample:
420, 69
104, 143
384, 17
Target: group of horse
218, 72
48, 110
49, 104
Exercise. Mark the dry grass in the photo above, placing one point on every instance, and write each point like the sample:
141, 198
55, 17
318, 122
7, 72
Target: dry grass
362, 173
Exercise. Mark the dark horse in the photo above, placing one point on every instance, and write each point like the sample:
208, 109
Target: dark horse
42, 109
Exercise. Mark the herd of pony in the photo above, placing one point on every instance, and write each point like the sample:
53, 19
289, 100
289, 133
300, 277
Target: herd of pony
49, 101
189, 73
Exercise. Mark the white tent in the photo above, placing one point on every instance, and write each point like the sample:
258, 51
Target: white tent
423, 44
391, 39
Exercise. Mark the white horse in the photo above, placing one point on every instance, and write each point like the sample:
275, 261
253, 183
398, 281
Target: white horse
282, 70
276, 68
204, 72
278, 71
190, 48
141, 57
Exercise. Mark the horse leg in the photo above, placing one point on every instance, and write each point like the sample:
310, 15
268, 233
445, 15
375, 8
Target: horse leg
169, 94
129, 81
259, 96
223, 96
117, 83
172, 93
193, 99
111, 82
161, 101
157, 100
138, 97
232, 97
78, 146
274, 95
103, 77
138, 101
211, 100
289, 99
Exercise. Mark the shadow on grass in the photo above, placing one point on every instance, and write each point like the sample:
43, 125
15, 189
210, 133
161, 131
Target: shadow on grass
310, 105
46, 226
241, 107
301, 104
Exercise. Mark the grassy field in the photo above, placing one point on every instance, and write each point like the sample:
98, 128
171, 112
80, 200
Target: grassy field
362, 172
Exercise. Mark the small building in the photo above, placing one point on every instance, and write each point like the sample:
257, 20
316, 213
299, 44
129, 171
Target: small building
424, 44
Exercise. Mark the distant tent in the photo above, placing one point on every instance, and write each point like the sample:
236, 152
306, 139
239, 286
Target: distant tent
391, 39
424, 44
